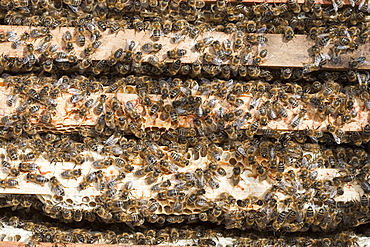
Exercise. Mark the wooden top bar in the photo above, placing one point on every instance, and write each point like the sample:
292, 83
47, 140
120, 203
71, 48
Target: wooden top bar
294, 53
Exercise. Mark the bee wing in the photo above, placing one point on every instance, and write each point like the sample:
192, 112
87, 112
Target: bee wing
335, 6
185, 91
42, 46
325, 55
75, 9
220, 112
74, 90
342, 47
227, 43
12, 97
111, 140
180, 110
196, 87
361, 4
262, 30
217, 61
322, 35
317, 60
53, 48
12, 36
208, 40
248, 58
336, 138
91, 26
178, 37
359, 78
367, 77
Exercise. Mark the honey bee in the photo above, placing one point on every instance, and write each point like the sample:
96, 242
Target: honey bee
37, 178
8, 183
67, 39
235, 177
92, 48
317, 11
130, 109
151, 47
56, 186
336, 132
71, 174
154, 61
209, 58
99, 66
296, 120
257, 38
355, 63
288, 33
156, 31
307, 5
202, 44
101, 212
364, 36
136, 62
80, 36
90, 178
175, 67
176, 53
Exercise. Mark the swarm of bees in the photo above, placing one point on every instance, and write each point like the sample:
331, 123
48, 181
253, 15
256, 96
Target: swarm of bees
199, 235
213, 123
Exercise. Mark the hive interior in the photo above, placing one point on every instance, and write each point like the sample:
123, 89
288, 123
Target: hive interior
180, 137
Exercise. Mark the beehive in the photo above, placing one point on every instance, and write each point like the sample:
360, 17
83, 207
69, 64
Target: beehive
187, 122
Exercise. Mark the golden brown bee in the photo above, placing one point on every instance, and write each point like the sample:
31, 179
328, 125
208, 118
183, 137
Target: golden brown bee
167, 27
27, 167
296, 120
71, 174
202, 44
235, 177
92, 48
212, 59
56, 186
364, 36
151, 47
280, 9
307, 5
156, 31
355, 63
67, 38
261, 8
175, 67
253, 71
317, 11
251, 26
37, 178
8, 183
176, 53
288, 33
80, 36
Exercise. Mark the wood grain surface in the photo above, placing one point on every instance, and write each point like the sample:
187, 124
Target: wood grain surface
294, 53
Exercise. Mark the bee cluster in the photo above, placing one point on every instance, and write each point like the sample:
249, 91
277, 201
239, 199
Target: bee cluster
344, 28
20, 226
165, 144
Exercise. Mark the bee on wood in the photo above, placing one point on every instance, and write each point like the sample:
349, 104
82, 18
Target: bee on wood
71, 174
8, 183
37, 178
56, 186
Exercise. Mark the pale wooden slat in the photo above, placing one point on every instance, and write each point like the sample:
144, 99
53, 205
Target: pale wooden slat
280, 53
